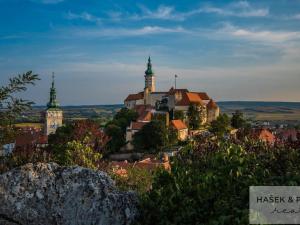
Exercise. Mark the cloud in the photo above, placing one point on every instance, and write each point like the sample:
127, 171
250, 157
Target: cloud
162, 12
47, 1
297, 16
11, 37
126, 32
260, 35
83, 16
237, 9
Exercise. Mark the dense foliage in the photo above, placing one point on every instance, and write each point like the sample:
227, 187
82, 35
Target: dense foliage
178, 115
81, 153
194, 117
116, 128
152, 137
136, 179
220, 126
209, 182
65, 144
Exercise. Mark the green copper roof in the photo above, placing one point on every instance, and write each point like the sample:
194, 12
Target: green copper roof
53, 103
149, 71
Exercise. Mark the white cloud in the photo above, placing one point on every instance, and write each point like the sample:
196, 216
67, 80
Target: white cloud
162, 12
237, 9
126, 32
297, 16
83, 16
260, 35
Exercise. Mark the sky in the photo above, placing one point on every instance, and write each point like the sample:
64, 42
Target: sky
98, 49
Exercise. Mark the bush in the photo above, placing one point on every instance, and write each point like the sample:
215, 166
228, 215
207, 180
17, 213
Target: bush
209, 183
81, 154
137, 179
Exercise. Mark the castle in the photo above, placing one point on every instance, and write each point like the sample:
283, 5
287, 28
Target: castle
53, 114
150, 102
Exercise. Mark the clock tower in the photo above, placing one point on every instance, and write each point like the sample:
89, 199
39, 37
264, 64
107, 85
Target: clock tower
53, 114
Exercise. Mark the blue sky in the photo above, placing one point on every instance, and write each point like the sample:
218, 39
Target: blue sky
234, 50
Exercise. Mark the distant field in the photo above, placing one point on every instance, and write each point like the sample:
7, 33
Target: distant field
295, 115
36, 125
264, 111
276, 112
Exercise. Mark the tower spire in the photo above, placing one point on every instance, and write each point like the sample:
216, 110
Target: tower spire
52, 102
149, 71
53, 80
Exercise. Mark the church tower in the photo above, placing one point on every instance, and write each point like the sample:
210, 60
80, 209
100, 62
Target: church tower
54, 115
149, 77
149, 83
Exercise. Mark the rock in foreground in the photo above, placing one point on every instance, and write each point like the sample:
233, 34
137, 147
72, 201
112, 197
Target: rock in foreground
45, 193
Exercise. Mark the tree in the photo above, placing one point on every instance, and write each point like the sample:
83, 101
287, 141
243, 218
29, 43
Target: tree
84, 132
194, 117
178, 115
172, 136
124, 117
81, 154
117, 137
116, 128
12, 106
237, 120
220, 126
152, 137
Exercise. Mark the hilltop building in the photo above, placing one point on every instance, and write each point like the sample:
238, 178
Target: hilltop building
150, 102
53, 114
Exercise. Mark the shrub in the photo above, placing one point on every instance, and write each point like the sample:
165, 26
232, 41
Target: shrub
209, 183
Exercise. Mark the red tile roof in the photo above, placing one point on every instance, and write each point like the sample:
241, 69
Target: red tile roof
137, 125
133, 97
145, 116
212, 105
190, 98
203, 95
263, 135
32, 137
178, 124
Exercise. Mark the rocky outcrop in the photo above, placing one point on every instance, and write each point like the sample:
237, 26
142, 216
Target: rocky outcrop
46, 193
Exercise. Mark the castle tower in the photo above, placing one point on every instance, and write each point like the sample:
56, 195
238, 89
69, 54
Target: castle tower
53, 114
149, 77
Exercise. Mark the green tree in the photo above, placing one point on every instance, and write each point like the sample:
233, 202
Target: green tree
116, 128
194, 117
117, 137
172, 136
81, 154
152, 137
237, 120
178, 115
220, 126
124, 117
11, 106
85, 132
